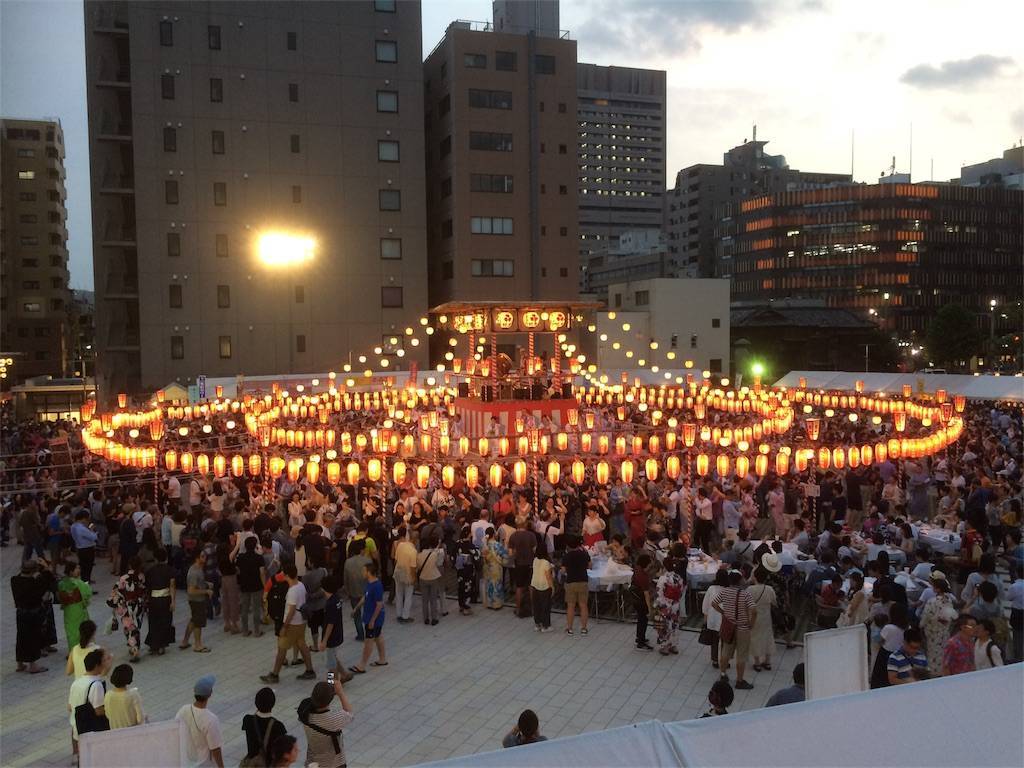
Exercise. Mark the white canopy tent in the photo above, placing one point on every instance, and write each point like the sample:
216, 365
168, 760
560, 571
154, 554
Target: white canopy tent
987, 387
972, 719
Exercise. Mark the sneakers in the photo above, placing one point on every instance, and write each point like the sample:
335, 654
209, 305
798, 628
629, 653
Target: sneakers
584, 631
568, 631
536, 627
644, 647
547, 629
309, 674
743, 685
271, 678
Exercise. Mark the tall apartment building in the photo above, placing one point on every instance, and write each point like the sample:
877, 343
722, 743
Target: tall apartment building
896, 252
213, 123
622, 154
501, 164
34, 294
703, 192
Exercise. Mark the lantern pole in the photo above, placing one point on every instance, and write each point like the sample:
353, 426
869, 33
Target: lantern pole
536, 487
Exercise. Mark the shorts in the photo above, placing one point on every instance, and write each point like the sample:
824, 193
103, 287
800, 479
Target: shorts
291, 636
522, 575
576, 594
371, 633
198, 616
740, 645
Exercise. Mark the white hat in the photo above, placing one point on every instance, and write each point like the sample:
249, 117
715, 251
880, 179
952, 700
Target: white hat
771, 562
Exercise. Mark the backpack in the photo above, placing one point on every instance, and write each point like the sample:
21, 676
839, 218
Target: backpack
277, 599
191, 538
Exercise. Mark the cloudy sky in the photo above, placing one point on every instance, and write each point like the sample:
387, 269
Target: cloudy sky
807, 72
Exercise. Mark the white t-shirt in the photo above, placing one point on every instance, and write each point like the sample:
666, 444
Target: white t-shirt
479, 531
296, 597
704, 508
203, 733
173, 488
195, 493
981, 655
892, 638
82, 687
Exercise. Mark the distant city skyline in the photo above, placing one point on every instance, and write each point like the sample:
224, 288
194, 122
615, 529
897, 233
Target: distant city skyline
808, 73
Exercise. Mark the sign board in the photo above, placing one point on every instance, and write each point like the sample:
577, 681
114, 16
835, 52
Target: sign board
836, 661
812, 490
163, 744
201, 385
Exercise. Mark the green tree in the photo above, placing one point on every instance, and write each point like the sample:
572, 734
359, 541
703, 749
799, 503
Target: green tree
952, 336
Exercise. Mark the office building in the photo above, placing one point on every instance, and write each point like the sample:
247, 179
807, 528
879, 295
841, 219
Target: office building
897, 253
34, 293
687, 320
703, 192
501, 164
214, 124
638, 254
1006, 171
621, 149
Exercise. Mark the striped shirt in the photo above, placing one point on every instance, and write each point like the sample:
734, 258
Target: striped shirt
727, 600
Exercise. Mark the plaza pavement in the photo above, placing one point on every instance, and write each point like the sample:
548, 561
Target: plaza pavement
449, 690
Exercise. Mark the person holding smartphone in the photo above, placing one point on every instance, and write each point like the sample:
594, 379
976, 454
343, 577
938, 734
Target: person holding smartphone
324, 725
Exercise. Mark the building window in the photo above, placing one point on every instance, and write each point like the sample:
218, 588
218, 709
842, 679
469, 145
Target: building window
445, 147
173, 244
217, 142
387, 151
618, 299
30, 285
446, 187
26, 153
170, 139
475, 60
562, 149
384, 6
224, 343
300, 294
391, 297
166, 33
544, 64
563, 231
300, 342
220, 193
674, 341
390, 200
29, 263
387, 51
296, 194
391, 248
221, 246
492, 268
563, 271
223, 296
32, 306
26, 175
27, 197
174, 296
293, 91
167, 87
505, 61
216, 89
292, 41
177, 347
543, 229
642, 298
481, 99
490, 225
387, 101
562, 189
171, 192
716, 322
715, 364
561, 107
213, 37
28, 218
492, 142
693, 341
294, 143
490, 182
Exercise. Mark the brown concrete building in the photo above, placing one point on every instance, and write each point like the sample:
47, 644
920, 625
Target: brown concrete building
501, 163
34, 293
621, 149
214, 122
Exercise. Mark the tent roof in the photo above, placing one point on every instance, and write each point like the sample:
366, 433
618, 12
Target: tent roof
987, 387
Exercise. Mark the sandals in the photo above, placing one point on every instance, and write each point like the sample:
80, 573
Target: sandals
204, 649
357, 670
184, 647
378, 663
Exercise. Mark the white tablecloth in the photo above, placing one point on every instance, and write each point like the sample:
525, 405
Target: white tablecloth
939, 539
606, 574
701, 572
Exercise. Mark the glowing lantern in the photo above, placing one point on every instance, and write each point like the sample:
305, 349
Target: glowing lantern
813, 428
626, 470
742, 466
503, 446
562, 441
838, 458
573, 417
237, 466
483, 446
651, 469
171, 460
867, 455
122, 400
463, 445
472, 476
899, 420
907, 390
959, 403
853, 457
519, 472
293, 470
398, 472
313, 471
620, 446
824, 457
220, 465
494, 474
374, 470
156, 429
579, 472
945, 412
881, 452
722, 465
672, 467
601, 472
895, 447
702, 464
782, 463
761, 465
554, 472
333, 472
448, 475
203, 464
940, 395
689, 434
589, 418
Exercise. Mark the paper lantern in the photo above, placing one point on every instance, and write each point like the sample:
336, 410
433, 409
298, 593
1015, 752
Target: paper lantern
602, 445
853, 457
761, 465
689, 434
220, 465
448, 476
483, 446
398, 472
651, 469
494, 475
586, 442
881, 452
801, 460
940, 395
601, 473
203, 464
313, 471
573, 417
472, 476
293, 470
895, 447
579, 472
703, 464
672, 467
554, 472
626, 470
813, 428
503, 446
722, 465
276, 467
122, 400
519, 472
171, 460
374, 470
782, 463
867, 455
838, 458
589, 419
824, 457
742, 466
899, 420
333, 472
620, 446
959, 403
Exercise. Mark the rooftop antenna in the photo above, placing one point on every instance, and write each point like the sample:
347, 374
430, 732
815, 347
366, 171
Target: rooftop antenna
852, 136
755, 132
910, 171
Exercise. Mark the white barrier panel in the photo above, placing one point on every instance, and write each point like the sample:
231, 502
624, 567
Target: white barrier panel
836, 661
155, 745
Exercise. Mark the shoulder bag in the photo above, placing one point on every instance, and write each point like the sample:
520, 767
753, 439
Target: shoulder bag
729, 626
86, 719
259, 760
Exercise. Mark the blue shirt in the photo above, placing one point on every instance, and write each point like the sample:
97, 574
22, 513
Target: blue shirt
54, 525
903, 665
82, 536
789, 695
372, 597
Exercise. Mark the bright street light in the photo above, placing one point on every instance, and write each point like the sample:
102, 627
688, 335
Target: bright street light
757, 369
281, 249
